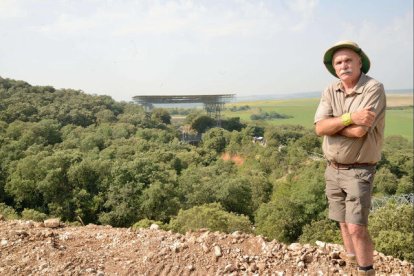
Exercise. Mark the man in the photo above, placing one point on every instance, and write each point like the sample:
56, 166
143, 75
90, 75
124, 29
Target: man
351, 117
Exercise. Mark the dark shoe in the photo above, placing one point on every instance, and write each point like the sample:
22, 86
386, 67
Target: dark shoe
370, 272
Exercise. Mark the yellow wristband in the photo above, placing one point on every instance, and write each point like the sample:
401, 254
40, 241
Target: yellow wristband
346, 119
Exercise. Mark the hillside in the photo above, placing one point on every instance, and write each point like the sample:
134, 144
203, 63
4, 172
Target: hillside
93, 161
29, 248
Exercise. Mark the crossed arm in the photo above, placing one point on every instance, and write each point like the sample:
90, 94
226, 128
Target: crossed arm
362, 120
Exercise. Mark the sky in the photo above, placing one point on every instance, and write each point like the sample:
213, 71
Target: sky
124, 48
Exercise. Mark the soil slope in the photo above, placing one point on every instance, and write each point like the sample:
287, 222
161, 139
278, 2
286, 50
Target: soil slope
29, 248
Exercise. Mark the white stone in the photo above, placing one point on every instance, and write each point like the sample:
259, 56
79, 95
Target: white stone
301, 264
217, 251
154, 227
295, 246
52, 223
228, 268
320, 244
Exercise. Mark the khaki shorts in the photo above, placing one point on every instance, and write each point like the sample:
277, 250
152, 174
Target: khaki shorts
349, 193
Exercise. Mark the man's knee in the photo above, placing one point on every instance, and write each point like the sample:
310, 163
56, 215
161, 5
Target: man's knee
357, 230
344, 228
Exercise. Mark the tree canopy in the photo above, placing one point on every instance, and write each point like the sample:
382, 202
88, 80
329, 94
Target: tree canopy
91, 159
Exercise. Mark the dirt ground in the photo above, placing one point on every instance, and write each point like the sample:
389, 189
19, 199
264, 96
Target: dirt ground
50, 248
237, 159
399, 100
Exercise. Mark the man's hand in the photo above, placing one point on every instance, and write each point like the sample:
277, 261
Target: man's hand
364, 117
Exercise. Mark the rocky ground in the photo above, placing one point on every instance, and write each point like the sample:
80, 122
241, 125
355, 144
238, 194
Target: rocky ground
50, 248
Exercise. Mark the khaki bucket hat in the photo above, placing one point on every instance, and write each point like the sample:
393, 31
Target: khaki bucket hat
327, 58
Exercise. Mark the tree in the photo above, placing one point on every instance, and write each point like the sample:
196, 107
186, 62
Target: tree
157, 135
198, 185
126, 185
202, 123
309, 142
281, 135
123, 130
235, 142
41, 182
281, 220
307, 188
161, 115
54, 184
261, 188
296, 201
160, 201
232, 124
88, 181
92, 141
217, 182
215, 139
235, 195
105, 116
23, 181
122, 205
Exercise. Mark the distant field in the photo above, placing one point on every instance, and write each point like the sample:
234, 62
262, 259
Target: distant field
398, 121
400, 100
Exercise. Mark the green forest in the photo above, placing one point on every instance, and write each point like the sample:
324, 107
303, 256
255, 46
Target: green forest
89, 159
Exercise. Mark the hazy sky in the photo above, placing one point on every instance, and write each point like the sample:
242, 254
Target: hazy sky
124, 48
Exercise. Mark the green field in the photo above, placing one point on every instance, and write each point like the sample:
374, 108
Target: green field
398, 121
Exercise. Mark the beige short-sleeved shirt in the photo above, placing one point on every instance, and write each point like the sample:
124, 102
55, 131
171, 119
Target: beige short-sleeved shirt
334, 102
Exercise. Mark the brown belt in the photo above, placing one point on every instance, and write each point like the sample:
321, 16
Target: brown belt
340, 166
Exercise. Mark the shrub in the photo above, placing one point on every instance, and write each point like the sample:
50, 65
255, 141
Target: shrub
8, 212
385, 181
211, 216
269, 116
146, 223
321, 230
405, 186
395, 243
281, 220
30, 214
392, 230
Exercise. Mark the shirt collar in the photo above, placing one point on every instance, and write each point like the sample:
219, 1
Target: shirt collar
358, 87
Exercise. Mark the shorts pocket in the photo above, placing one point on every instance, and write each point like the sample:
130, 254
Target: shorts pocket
356, 205
366, 175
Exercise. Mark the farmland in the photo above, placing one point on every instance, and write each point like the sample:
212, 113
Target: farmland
399, 118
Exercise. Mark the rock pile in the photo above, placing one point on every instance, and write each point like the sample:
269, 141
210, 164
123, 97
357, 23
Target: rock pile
28, 248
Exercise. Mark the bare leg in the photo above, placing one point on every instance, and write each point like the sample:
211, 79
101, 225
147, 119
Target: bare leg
346, 237
362, 243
